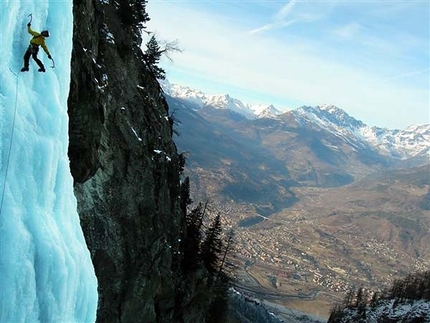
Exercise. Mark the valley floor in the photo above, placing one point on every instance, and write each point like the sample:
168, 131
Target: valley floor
308, 256
288, 303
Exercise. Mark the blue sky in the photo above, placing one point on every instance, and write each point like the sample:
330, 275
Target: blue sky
370, 58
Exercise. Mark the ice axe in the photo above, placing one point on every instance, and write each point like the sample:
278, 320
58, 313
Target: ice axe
29, 23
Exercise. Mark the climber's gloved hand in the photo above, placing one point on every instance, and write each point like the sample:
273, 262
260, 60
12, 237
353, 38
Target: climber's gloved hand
29, 24
49, 56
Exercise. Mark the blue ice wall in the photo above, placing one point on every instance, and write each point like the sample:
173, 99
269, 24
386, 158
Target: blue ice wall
46, 274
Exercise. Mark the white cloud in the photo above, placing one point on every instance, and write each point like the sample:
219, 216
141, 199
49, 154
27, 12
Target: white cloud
278, 19
272, 26
261, 29
408, 74
348, 31
285, 10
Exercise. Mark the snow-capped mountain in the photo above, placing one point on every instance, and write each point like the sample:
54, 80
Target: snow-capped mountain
327, 116
267, 111
200, 99
223, 101
400, 144
196, 97
227, 102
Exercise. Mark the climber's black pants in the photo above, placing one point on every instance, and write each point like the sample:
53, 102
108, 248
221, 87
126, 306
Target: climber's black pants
32, 51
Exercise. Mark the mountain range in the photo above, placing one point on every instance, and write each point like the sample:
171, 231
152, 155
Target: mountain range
330, 195
319, 146
412, 142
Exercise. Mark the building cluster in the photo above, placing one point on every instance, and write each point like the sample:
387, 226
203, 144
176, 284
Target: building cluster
287, 253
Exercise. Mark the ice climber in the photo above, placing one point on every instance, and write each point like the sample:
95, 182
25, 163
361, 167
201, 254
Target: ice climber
33, 49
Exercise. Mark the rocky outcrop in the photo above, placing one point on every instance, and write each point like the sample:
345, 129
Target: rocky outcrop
125, 166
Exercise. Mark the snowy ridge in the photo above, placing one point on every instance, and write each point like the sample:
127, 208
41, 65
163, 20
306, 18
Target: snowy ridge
183, 92
227, 102
329, 117
224, 101
400, 144
412, 141
200, 99
394, 311
46, 272
267, 112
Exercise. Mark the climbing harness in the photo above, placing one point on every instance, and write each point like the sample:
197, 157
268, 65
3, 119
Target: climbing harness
11, 141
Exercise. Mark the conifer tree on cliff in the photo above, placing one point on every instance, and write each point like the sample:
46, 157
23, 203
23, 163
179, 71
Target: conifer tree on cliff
133, 12
212, 246
133, 15
192, 239
185, 199
152, 57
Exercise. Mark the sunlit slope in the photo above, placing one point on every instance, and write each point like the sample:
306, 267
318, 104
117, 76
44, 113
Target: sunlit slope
46, 274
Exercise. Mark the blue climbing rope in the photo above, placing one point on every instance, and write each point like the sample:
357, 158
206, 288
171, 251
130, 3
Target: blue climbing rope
11, 142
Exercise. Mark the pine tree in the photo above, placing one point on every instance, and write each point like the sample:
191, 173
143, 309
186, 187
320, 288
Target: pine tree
212, 246
219, 305
426, 285
336, 314
132, 13
182, 160
359, 297
193, 237
185, 199
349, 298
152, 57
227, 250
375, 299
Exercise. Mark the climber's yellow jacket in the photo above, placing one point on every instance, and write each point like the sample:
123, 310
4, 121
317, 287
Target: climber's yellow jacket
38, 40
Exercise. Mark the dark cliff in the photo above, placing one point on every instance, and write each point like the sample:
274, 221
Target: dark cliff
125, 166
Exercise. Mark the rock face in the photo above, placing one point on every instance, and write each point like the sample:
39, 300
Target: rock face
125, 166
